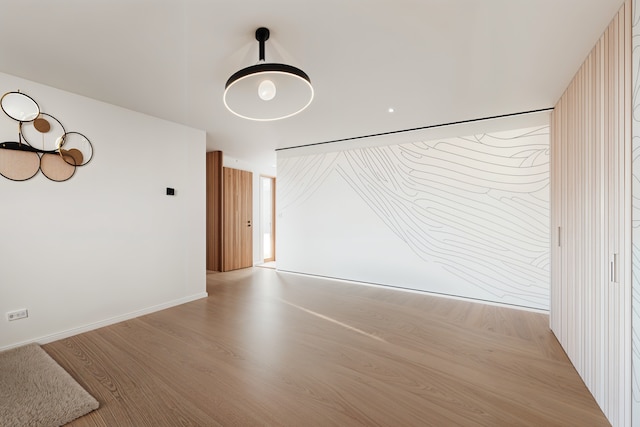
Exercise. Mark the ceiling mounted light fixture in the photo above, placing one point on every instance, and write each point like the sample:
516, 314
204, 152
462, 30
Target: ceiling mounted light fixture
267, 91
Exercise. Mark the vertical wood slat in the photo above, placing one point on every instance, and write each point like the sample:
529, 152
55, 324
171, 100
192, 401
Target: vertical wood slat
589, 214
591, 207
597, 207
214, 210
556, 231
247, 212
613, 321
590, 190
603, 248
579, 225
606, 393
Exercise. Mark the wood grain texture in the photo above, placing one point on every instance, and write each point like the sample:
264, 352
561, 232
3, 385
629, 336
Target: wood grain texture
591, 205
214, 211
268, 348
237, 222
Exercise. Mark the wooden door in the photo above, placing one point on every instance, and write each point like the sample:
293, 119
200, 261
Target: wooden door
237, 241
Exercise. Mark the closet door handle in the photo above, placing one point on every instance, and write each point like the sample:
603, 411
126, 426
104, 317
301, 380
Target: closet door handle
611, 268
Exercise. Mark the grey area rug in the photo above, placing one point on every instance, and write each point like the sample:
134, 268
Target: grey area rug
36, 391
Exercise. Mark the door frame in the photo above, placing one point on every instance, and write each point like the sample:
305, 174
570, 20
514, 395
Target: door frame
273, 218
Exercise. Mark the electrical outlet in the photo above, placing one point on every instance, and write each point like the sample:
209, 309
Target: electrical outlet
18, 314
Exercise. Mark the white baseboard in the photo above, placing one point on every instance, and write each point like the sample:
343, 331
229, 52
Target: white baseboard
106, 322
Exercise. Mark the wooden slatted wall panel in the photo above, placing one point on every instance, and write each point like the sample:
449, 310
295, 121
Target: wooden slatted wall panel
591, 220
214, 211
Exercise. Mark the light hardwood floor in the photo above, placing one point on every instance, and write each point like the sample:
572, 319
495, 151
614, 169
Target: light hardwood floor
268, 348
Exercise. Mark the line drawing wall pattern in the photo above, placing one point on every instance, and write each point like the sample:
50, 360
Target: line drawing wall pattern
635, 218
473, 209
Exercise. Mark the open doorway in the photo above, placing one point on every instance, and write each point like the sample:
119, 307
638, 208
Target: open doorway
268, 219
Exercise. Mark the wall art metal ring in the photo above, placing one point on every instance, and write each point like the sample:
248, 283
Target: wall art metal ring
43, 143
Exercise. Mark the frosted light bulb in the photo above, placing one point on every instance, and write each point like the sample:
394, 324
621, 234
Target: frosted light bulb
266, 90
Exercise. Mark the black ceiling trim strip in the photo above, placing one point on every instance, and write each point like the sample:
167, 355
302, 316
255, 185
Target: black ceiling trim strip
419, 128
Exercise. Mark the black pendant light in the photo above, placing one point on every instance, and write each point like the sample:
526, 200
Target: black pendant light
267, 91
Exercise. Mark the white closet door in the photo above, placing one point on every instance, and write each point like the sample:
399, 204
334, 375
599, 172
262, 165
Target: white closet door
591, 220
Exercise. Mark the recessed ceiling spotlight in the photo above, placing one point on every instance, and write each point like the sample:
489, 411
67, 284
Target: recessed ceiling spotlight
391, 109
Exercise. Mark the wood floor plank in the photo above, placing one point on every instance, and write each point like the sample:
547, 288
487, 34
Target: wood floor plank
269, 348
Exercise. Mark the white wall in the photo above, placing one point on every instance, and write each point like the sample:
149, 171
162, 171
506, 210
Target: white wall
464, 216
108, 244
635, 238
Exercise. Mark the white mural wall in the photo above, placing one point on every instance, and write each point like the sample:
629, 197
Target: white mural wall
464, 216
635, 238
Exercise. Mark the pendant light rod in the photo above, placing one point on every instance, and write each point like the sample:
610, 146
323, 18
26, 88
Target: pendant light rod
262, 35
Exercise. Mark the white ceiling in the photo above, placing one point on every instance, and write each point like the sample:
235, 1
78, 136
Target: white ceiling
434, 61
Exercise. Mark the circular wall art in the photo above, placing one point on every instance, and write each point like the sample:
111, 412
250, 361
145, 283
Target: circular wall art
19, 107
43, 143
17, 164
